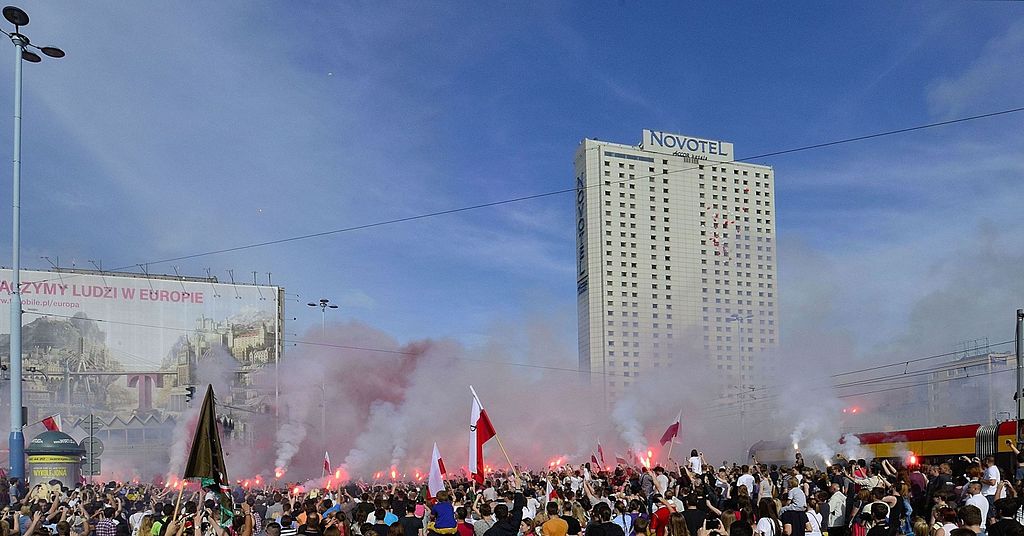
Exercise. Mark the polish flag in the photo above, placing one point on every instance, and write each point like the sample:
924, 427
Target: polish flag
672, 432
52, 423
600, 452
480, 431
593, 460
435, 482
620, 460
550, 492
327, 463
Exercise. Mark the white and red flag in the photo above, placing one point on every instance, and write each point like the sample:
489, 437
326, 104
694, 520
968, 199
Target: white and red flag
327, 463
672, 432
619, 459
480, 431
600, 452
52, 423
550, 492
435, 481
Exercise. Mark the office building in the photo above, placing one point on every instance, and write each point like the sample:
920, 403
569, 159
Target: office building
676, 262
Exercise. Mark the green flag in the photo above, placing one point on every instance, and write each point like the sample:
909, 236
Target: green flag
206, 459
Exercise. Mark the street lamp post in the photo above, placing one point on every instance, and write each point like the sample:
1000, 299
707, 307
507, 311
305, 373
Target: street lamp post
737, 317
324, 304
18, 18
1019, 352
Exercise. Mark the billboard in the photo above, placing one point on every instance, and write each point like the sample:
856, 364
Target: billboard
79, 324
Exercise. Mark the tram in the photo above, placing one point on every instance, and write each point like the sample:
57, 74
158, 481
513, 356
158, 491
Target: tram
917, 446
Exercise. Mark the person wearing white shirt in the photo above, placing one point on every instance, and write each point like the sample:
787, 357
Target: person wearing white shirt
746, 480
660, 480
813, 518
532, 505
977, 499
696, 462
990, 480
490, 494
836, 512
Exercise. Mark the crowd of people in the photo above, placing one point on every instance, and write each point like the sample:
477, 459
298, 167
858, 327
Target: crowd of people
844, 498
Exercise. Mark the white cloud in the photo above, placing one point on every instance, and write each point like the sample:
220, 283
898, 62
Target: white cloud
993, 78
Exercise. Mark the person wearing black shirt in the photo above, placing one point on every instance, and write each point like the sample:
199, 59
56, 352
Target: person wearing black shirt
507, 521
602, 525
312, 525
380, 528
694, 517
794, 522
883, 525
574, 524
1007, 525
411, 525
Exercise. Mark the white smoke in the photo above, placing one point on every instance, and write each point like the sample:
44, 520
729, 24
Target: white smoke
290, 435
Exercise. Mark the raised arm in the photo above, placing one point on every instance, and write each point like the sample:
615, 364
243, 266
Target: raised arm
247, 527
35, 522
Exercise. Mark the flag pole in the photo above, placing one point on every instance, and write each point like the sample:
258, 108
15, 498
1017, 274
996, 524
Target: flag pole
507, 459
177, 504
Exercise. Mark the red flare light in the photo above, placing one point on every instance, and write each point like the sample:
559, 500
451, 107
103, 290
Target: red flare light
279, 472
912, 460
650, 454
337, 473
393, 474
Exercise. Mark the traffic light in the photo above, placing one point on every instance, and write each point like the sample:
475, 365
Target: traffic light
190, 391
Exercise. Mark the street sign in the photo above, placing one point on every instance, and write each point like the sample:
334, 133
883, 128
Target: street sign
91, 467
93, 446
92, 424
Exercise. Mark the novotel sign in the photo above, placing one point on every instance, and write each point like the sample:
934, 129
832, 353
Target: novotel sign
679, 145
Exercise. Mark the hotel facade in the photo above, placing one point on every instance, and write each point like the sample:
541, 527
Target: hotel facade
676, 262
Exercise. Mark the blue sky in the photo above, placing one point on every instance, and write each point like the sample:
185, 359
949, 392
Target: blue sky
170, 130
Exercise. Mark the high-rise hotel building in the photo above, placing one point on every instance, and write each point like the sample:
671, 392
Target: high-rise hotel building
676, 262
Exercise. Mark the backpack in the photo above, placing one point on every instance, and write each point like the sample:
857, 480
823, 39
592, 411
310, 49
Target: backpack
164, 521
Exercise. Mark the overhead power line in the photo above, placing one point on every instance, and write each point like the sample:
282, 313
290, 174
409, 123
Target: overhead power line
540, 195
